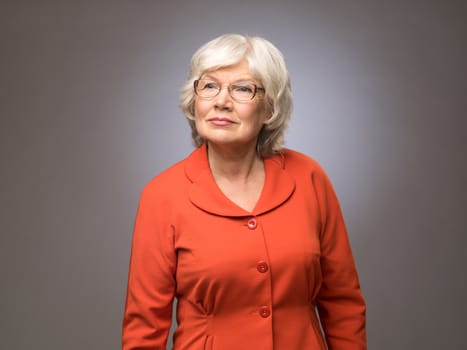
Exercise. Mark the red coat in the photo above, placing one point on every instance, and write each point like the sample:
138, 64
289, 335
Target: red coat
243, 281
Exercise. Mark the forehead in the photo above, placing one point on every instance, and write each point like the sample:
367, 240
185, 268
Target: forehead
238, 71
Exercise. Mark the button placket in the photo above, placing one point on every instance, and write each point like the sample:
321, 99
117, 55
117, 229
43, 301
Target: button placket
262, 266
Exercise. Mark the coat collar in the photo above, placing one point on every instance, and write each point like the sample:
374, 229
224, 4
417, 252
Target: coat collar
206, 195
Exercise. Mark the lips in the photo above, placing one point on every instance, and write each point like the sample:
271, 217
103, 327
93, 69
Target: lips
220, 121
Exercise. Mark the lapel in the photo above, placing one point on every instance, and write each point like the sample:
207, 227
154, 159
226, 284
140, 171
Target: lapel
206, 195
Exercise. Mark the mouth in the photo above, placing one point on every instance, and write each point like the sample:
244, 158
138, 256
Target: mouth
221, 121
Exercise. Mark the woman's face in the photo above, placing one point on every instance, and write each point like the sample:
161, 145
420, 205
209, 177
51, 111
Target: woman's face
225, 122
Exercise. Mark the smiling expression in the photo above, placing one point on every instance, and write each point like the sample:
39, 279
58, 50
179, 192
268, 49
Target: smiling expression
223, 121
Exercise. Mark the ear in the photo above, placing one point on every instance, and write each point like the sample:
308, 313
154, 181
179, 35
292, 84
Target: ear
268, 113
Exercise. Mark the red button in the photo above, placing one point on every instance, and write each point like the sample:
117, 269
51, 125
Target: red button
251, 224
264, 311
262, 266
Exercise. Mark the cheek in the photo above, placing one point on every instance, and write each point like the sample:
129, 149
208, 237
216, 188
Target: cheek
201, 107
259, 114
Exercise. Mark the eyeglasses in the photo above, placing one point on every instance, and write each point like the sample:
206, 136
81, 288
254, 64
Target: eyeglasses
241, 91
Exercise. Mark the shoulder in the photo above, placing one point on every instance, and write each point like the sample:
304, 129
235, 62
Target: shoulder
172, 183
165, 184
305, 169
309, 174
299, 162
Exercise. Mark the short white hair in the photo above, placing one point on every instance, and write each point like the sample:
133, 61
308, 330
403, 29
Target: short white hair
267, 65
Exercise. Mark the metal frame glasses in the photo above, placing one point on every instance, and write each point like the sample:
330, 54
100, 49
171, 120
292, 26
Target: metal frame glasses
240, 91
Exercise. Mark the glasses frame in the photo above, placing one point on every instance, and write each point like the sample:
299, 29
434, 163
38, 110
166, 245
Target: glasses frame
229, 89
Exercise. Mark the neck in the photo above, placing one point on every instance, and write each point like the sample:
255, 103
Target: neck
234, 164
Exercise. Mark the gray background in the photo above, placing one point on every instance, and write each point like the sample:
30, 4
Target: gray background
89, 95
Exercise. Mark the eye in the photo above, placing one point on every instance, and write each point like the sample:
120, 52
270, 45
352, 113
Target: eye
208, 85
243, 88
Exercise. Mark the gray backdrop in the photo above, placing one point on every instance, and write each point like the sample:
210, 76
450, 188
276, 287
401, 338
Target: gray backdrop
89, 95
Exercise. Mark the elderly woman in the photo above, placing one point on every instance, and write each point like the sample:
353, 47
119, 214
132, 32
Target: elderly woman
246, 235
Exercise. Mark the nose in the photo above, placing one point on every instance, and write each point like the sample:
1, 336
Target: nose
223, 100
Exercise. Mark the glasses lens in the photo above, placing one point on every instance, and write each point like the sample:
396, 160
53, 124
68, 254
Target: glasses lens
206, 88
243, 91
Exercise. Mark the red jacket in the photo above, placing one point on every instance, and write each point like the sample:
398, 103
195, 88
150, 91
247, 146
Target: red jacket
243, 281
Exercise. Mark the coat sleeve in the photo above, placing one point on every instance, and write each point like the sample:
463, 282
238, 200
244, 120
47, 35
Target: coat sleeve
151, 279
340, 303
